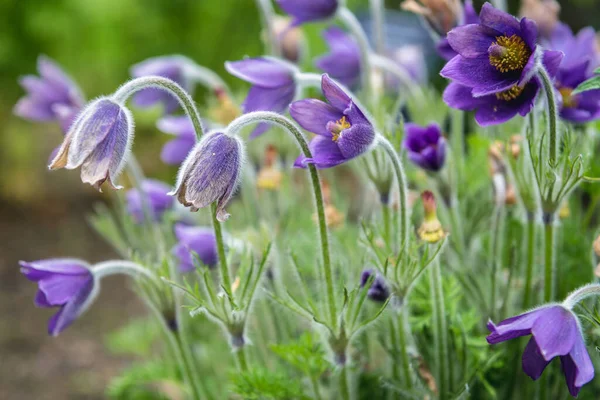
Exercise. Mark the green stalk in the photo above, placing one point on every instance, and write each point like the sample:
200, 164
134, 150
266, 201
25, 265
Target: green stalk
403, 329
496, 255
440, 329
343, 382
530, 258
224, 269
395, 348
549, 261
240, 358
552, 114
315, 387
385, 210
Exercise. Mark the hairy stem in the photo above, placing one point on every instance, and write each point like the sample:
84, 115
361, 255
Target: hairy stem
529, 261
552, 115
440, 329
549, 260
223, 267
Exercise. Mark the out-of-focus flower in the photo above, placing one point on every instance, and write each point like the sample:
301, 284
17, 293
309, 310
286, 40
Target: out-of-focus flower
411, 59
565, 211
273, 85
333, 217
378, 291
425, 146
156, 196
225, 110
269, 177
198, 240
442, 15
555, 331
543, 12
53, 96
343, 131
175, 151
431, 230
580, 60
174, 68
342, 62
303, 11
211, 173
290, 38
469, 16
515, 146
64, 283
98, 141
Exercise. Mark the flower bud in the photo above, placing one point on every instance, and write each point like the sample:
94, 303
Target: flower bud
431, 230
289, 38
211, 173
98, 141
378, 291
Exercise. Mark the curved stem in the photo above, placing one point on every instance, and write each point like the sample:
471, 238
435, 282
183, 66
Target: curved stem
349, 20
378, 24
400, 176
225, 273
267, 16
130, 268
530, 258
589, 290
552, 114
549, 261
308, 79
240, 358
158, 82
291, 128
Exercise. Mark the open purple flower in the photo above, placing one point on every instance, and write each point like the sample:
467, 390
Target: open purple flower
554, 331
378, 291
469, 17
342, 46
98, 142
198, 240
175, 151
156, 196
308, 10
426, 147
580, 60
343, 131
64, 283
53, 96
273, 85
210, 173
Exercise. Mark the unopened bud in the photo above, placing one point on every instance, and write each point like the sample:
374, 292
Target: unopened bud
431, 230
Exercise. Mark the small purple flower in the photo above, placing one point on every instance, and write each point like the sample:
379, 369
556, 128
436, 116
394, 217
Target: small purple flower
555, 331
172, 67
343, 131
175, 151
342, 62
378, 291
156, 195
98, 142
426, 147
580, 60
210, 173
53, 96
64, 283
308, 10
469, 17
193, 239
273, 85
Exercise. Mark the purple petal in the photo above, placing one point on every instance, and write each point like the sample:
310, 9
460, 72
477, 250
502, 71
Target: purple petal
445, 50
499, 20
513, 327
325, 154
471, 16
58, 289
472, 41
179, 125
459, 96
529, 33
308, 10
71, 310
314, 115
551, 60
342, 47
261, 99
577, 367
533, 363
334, 94
175, 151
36, 270
355, 140
555, 331
478, 74
265, 72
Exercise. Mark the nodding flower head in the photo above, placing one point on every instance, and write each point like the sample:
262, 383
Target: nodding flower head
378, 291
273, 85
99, 142
426, 146
211, 173
175, 151
174, 68
157, 199
192, 241
53, 96
555, 332
343, 60
431, 230
303, 11
65, 283
343, 131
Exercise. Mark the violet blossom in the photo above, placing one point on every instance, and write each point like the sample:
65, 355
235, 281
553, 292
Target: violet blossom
425, 146
342, 62
175, 151
303, 11
378, 291
158, 200
193, 240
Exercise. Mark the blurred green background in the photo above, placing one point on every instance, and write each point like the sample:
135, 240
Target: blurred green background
43, 214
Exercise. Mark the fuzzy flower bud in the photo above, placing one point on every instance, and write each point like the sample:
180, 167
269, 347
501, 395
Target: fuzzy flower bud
431, 230
98, 141
210, 173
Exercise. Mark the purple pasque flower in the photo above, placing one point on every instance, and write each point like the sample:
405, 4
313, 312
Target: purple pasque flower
195, 239
53, 96
469, 17
342, 62
211, 173
500, 107
98, 141
580, 60
343, 131
156, 196
65, 283
378, 291
426, 146
273, 85
175, 151
308, 10
175, 68
555, 331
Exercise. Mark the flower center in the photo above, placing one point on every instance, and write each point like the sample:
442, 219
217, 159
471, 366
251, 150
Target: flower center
511, 93
509, 53
569, 101
337, 128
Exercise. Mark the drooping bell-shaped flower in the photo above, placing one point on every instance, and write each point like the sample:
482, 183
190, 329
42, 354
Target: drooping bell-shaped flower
342, 62
425, 146
343, 131
175, 151
98, 141
211, 173
555, 332
195, 240
65, 283
303, 11
156, 197
378, 291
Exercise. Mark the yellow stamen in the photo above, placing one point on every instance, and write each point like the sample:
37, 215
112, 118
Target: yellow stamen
569, 101
511, 93
338, 127
509, 53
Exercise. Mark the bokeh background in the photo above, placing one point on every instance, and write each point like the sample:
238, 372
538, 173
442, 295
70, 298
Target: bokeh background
44, 214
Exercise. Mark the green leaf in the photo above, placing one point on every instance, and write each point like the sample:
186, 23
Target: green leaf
590, 84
